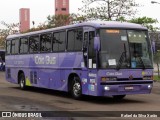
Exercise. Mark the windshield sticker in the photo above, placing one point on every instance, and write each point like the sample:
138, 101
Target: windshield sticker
90, 63
124, 38
94, 65
112, 61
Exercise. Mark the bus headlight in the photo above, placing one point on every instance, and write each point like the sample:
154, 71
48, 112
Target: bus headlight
106, 88
149, 86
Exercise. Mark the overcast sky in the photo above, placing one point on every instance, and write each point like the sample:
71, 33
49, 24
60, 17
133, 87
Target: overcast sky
40, 9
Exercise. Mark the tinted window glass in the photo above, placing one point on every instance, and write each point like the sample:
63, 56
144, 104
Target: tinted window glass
59, 41
71, 40
62, 41
91, 46
78, 40
34, 44
23, 45
55, 41
8, 48
15, 46
114, 48
75, 40
46, 42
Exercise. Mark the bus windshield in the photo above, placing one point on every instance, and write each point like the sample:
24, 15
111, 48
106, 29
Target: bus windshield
125, 49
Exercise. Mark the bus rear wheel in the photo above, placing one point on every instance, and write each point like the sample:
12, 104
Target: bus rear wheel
118, 97
22, 82
76, 88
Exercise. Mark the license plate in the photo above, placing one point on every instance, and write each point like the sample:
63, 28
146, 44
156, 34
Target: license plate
129, 88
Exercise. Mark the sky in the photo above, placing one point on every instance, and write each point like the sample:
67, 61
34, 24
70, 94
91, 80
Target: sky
40, 9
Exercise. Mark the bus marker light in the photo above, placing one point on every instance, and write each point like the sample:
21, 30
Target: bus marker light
106, 88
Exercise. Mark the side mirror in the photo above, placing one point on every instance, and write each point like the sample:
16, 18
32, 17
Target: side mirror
97, 43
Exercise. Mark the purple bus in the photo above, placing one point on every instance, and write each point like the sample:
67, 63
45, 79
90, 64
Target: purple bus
91, 58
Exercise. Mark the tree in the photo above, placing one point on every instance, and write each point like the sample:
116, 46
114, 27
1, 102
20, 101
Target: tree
8, 30
108, 9
61, 20
157, 61
146, 21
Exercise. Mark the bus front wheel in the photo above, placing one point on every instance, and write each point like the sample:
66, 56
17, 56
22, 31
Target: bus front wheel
22, 81
76, 88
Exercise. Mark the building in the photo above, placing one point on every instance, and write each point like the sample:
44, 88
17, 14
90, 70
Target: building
24, 16
61, 7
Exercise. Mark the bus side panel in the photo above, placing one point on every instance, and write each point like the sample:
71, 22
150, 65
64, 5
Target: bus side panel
11, 72
69, 63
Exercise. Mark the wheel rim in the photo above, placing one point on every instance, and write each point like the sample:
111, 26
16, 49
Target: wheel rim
22, 83
77, 89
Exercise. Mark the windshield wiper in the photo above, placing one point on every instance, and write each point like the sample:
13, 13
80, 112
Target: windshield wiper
142, 62
123, 55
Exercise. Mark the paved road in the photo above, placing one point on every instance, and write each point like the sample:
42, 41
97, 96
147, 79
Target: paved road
34, 99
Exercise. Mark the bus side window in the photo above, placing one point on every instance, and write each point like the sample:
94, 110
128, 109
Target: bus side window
24, 45
62, 37
34, 44
85, 40
8, 47
85, 47
45, 42
70, 45
55, 42
15, 46
92, 53
75, 37
78, 39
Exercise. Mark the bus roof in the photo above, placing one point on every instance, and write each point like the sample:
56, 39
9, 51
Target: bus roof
96, 24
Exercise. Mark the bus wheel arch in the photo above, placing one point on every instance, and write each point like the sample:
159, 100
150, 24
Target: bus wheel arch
21, 79
74, 86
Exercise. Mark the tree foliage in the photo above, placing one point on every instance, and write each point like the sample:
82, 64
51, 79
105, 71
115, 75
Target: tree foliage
8, 30
146, 21
59, 20
108, 9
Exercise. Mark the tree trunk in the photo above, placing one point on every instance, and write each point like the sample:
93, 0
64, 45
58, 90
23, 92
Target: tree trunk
158, 70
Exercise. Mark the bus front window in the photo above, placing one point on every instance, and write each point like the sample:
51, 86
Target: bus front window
114, 45
139, 49
124, 49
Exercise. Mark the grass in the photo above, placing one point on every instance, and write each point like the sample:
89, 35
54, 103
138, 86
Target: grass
155, 77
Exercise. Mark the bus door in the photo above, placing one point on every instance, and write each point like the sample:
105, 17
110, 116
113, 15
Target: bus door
90, 62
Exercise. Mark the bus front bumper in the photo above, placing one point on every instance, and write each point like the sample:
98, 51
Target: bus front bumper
126, 87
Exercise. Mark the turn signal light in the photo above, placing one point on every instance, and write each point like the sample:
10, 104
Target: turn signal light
104, 79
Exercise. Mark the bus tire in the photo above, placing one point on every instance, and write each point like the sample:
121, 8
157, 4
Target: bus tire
118, 97
76, 88
22, 81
